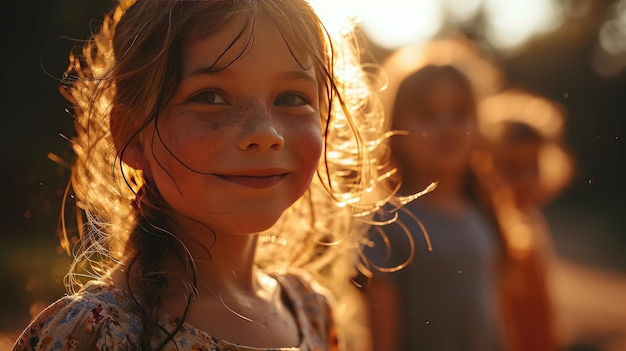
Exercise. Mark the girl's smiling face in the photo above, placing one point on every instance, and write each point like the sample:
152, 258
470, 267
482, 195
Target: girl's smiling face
237, 145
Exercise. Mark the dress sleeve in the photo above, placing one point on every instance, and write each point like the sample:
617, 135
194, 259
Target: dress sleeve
313, 311
74, 323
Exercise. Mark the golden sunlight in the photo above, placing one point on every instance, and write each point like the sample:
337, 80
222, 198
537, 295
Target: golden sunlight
395, 23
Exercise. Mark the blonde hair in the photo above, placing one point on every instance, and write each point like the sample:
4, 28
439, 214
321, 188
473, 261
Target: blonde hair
128, 71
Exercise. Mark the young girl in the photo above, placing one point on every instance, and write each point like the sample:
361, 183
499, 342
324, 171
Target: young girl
523, 152
526, 164
226, 152
523, 164
445, 298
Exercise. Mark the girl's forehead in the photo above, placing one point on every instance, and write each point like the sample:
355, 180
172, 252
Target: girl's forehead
226, 41
236, 38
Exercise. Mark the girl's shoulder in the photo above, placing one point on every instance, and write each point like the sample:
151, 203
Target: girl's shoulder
95, 318
313, 306
302, 290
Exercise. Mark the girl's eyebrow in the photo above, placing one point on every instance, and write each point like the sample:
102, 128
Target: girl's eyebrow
202, 71
299, 75
288, 74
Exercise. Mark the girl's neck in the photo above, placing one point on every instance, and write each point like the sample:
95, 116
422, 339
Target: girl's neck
231, 295
224, 262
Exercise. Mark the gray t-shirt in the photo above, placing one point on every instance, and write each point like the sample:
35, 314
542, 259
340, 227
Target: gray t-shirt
448, 297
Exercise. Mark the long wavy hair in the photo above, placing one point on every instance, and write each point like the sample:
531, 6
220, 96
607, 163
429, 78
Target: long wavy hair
119, 82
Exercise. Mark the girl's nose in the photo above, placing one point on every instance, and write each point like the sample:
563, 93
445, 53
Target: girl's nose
261, 131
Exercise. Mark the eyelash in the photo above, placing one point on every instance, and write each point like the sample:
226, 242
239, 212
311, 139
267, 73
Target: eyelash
200, 97
281, 98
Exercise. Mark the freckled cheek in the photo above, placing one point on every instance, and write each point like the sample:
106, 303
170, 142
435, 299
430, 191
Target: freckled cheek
308, 146
194, 136
192, 140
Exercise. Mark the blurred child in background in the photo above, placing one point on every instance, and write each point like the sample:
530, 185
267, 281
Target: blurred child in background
458, 295
444, 299
522, 165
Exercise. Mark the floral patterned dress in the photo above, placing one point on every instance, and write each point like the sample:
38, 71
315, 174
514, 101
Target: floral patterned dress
98, 319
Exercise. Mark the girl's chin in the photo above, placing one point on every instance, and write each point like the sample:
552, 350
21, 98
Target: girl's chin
248, 225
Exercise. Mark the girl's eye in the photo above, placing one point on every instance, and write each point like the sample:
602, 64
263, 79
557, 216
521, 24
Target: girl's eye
208, 97
291, 99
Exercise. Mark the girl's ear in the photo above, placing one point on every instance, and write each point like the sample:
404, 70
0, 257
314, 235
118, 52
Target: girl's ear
134, 156
131, 151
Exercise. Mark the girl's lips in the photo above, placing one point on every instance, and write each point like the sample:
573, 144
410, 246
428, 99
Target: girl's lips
255, 182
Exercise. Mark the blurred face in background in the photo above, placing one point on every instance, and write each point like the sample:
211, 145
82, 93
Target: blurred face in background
439, 116
517, 165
